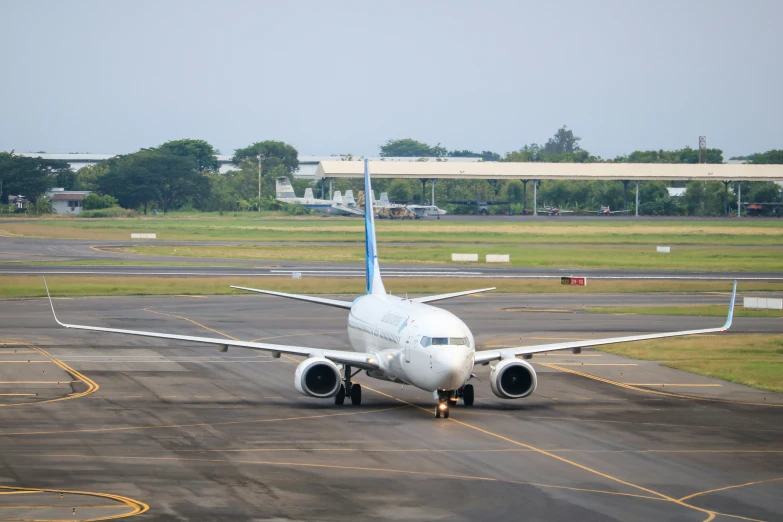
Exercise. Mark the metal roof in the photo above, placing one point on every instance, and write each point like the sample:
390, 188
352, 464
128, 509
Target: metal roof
572, 171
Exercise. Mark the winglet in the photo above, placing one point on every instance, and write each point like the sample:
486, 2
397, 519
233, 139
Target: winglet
50, 302
731, 308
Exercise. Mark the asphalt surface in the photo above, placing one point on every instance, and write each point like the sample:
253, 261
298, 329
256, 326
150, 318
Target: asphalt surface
19, 256
125, 424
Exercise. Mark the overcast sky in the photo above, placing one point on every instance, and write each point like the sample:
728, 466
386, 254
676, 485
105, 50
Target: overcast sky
343, 77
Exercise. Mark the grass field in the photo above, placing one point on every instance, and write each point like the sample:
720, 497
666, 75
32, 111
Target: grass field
67, 286
697, 311
247, 227
753, 360
570, 256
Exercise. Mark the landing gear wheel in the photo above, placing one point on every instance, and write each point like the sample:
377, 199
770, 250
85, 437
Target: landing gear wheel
437, 411
339, 399
446, 412
442, 409
356, 394
467, 395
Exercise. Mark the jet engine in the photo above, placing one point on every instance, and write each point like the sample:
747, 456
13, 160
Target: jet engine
513, 379
317, 377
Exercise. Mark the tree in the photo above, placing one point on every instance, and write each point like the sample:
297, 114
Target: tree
410, 148
486, 155
202, 153
400, 190
95, 201
685, 155
515, 191
31, 177
87, 177
562, 142
275, 153
148, 176
771, 156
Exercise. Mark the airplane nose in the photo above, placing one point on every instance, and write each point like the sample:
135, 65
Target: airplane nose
452, 369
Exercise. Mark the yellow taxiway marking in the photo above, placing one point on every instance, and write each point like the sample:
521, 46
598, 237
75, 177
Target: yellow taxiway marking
113, 506
655, 392
18, 492
660, 496
354, 468
700, 493
295, 335
92, 386
660, 424
596, 364
26, 361
136, 507
198, 424
37, 382
294, 359
193, 322
668, 384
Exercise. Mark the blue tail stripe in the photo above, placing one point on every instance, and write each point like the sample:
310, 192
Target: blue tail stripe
372, 272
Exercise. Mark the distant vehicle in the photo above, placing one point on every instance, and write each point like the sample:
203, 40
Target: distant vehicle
606, 211
553, 211
480, 207
423, 211
338, 206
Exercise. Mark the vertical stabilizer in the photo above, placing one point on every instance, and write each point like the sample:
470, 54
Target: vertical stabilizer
374, 283
283, 188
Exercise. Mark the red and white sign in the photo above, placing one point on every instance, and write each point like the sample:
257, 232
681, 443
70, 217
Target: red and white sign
574, 281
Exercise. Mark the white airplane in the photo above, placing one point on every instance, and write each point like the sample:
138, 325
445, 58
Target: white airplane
423, 211
404, 341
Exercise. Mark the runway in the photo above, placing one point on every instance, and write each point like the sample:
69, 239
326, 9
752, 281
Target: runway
19, 256
186, 433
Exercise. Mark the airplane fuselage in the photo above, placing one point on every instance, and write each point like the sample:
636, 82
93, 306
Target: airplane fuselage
415, 343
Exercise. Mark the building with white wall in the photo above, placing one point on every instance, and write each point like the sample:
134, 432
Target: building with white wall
67, 201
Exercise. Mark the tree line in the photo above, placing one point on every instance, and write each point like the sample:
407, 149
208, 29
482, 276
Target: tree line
184, 174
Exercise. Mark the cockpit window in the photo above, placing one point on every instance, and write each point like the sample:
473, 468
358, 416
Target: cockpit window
444, 341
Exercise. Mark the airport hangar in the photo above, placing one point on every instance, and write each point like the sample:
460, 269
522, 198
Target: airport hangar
626, 172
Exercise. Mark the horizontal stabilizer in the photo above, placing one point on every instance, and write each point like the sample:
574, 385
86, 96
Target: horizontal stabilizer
307, 298
441, 297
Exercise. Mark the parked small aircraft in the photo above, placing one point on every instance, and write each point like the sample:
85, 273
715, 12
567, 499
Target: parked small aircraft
553, 211
423, 211
606, 211
338, 206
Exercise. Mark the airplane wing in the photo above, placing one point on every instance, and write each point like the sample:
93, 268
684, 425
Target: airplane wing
360, 360
310, 299
487, 356
441, 297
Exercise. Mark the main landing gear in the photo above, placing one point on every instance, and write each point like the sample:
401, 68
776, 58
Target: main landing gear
349, 389
446, 399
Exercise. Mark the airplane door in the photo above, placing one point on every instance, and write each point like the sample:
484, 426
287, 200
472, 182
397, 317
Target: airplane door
413, 338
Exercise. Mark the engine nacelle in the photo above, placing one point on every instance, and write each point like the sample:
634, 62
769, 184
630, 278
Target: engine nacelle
317, 377
513, 379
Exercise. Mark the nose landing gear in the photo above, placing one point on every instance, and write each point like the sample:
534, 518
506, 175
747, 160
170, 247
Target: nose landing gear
442, 409
349, 389
445, 400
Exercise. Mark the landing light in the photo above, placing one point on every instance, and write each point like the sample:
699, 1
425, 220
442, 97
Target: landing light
443, 406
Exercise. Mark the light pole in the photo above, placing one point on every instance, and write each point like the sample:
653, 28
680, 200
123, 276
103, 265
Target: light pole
260, 157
